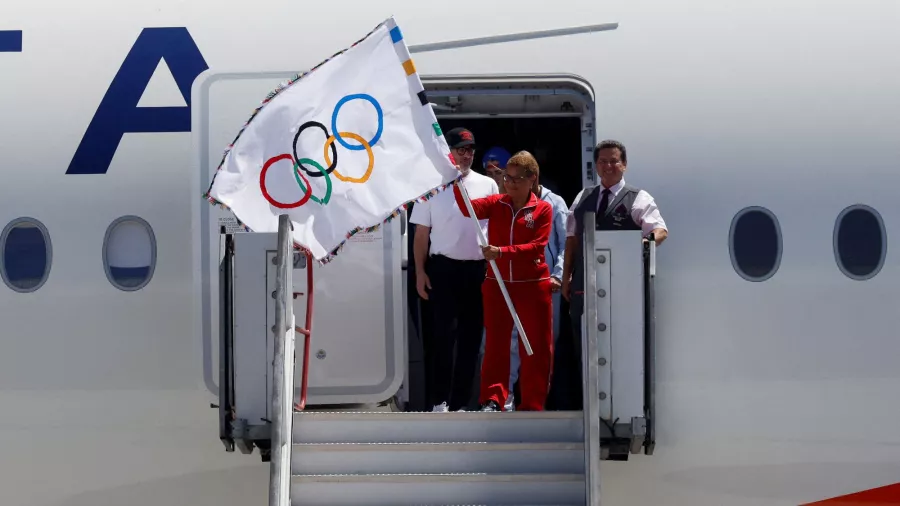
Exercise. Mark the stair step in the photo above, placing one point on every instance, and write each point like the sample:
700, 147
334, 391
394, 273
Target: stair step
458, 457
475, 426
444, 488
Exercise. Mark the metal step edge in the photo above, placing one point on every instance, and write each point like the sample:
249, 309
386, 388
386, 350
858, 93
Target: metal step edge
493, 504
431, 447
430, 478
423, 415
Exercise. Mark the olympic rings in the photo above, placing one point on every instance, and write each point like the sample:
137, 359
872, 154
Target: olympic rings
368, 148
262, 185
337, 109
331, 165
330, 158
315, 164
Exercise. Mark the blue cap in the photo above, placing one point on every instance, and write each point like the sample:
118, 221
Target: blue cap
496, 153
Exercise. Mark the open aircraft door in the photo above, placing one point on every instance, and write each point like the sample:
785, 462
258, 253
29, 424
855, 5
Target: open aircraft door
358, 352
618, 332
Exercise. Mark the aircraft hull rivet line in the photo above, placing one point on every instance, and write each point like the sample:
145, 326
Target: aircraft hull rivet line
602, 361
601, 327
601, 293
601, 259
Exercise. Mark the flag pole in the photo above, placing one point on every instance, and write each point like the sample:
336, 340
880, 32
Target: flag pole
483, 240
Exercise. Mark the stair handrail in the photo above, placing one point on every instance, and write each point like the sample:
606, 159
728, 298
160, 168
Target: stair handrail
590, 367
306, 331
283, 370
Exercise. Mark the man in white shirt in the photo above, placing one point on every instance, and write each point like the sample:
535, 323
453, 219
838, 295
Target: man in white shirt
449, 276
618, 206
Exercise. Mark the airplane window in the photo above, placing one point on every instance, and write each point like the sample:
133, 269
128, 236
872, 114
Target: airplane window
26, 255
755, 243
860, 242
129, 253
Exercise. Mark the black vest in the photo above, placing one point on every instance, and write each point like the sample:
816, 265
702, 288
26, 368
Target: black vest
616, 217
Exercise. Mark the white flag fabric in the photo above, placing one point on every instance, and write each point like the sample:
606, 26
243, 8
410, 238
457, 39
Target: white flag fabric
340, 149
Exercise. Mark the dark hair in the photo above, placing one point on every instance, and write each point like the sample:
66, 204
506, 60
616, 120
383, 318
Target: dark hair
609, 143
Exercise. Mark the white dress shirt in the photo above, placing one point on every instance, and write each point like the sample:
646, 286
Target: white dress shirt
452, 234
644, 211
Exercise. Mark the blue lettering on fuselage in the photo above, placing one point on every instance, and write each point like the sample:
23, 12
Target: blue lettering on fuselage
10, 41
118, 112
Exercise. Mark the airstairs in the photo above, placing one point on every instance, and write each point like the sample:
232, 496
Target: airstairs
332, 457
438, 458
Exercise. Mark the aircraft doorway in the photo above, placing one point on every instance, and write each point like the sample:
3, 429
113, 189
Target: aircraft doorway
550, 117
555, 142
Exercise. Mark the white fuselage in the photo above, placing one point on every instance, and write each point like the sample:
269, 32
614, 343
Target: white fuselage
776, 392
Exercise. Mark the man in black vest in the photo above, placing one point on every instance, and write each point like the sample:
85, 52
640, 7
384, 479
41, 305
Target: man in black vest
618, 206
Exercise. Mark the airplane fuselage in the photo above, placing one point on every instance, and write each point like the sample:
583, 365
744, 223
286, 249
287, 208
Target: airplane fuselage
767, 133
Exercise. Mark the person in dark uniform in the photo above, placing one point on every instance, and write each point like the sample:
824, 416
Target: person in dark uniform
618, 206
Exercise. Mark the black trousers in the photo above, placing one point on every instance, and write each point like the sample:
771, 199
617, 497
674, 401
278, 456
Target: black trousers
564, 389
457, 323
575, 400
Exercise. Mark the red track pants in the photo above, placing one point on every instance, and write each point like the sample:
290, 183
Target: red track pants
534, 305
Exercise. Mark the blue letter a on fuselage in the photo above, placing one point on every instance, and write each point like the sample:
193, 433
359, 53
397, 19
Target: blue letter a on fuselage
119, 114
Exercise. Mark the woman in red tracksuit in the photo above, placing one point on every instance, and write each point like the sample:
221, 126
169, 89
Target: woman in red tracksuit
518, 230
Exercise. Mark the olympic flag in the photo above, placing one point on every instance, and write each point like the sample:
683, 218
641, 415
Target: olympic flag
340, 149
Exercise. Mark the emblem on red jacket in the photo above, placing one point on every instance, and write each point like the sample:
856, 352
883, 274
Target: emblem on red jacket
529, 220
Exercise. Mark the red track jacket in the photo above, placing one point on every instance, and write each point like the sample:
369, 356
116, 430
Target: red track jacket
521, 236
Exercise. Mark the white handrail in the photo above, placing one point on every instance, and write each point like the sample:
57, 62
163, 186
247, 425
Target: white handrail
590, 367
283, 370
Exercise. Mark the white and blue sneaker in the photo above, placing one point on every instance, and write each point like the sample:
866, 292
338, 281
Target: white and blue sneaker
441, 408
510, 402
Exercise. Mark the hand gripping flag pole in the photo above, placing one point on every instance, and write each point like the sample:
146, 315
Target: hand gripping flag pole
483, 240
